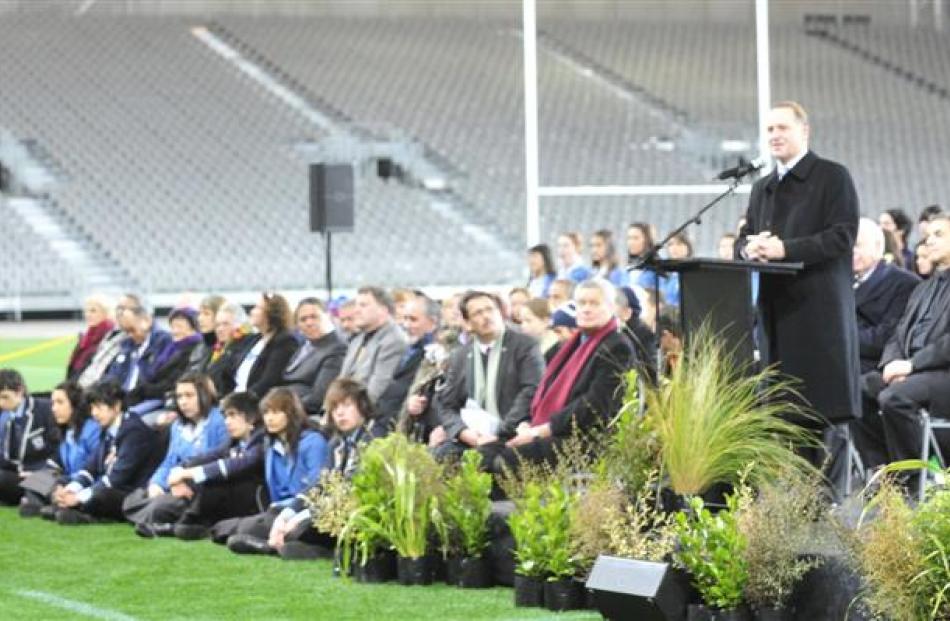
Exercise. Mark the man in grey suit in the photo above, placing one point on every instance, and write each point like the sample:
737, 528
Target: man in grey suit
319, 359
490, 380
374, 353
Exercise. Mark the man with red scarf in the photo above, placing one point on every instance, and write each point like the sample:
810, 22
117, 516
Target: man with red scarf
581, 385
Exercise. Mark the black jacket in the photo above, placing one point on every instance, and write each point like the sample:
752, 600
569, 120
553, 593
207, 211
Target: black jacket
270, 364
935, 355
311, 376
233, 461
139, 449
809, 319
880, 302
37, 441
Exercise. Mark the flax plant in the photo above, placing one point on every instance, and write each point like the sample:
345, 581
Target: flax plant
713, 417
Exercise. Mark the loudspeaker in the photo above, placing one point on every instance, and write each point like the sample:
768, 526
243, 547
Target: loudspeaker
331, 198
639, 590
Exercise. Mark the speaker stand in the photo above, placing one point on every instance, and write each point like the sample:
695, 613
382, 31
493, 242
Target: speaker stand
327, 235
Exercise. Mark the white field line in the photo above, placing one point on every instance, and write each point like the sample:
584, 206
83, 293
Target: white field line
73, 606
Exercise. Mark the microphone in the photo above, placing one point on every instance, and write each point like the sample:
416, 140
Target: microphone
744, 168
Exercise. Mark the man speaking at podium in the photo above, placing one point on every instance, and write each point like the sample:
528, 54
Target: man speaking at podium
806, 211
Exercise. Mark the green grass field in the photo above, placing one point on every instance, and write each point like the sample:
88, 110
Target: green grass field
41, 361
105, 571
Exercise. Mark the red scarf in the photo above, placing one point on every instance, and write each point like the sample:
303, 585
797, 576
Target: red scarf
562, 373
88, 343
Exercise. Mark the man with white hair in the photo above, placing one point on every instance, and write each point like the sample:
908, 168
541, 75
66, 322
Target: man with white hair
579, 389
881, 292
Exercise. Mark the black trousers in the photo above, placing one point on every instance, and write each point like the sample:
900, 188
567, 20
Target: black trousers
10, 490
307, 534
257, 525
214, 502
895, 433
106, 504
140, 509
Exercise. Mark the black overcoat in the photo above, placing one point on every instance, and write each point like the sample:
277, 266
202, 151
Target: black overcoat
809, 319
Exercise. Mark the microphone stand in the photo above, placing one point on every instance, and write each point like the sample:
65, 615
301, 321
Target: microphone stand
651, 258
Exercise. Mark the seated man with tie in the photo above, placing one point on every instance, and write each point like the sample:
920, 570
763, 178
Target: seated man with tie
489, 381
128, 453
319, 359
141, 351
27, 434
914, 368
881, 291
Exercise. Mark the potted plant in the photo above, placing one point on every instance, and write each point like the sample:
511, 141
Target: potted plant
561, 591
465, 509
713, 417
711, 549
332, 503
527, 529
778, 525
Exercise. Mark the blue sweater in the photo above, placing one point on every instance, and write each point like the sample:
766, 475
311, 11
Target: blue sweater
182, 446
287, 473
75, 452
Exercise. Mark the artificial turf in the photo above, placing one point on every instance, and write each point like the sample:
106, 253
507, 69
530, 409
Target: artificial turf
123, 576
41, 369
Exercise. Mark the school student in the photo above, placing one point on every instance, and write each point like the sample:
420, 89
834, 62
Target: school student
198, 429
28, 435
351, 414
128, 453
293, 460
78, 440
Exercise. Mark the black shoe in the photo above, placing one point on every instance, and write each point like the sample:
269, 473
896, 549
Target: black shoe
300, 551
48, 513
247, 544
191, 532
71, 517
30, 509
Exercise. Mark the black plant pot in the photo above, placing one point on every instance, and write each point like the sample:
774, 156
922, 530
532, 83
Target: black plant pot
439, 567
452, 567
587, 595
380, 567
733, 614
698, 612
414, 571
474, 573
563, 594
774, 614
529, 592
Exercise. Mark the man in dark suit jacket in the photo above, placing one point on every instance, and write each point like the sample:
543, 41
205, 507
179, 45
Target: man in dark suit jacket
579, 390
881, 292
319, 359
498, 370
806, 211
914, 368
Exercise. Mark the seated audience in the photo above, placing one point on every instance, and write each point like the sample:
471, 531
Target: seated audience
563, 324
923, 221
227, 482
198, 429
579, 389
144, 346
418, 416
78, 440
128, 453
881, 292
346, 320
420, 320
671, 339
896, 221
605, 260
111, 344
97, 314
319, 359
541, 271
267, 353
641, 337
350, 413
293, 459
560, 293
207, 312
536, 322
914, 368
373, 354
451, 315
892, 252
923, 266
639, 242
170, 363
489, 383
517, 298
231, 331
28, 435
570, 250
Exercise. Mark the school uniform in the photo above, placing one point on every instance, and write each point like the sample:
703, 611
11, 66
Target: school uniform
75, 449
186, 440
128, 453
28, 437
287, 474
